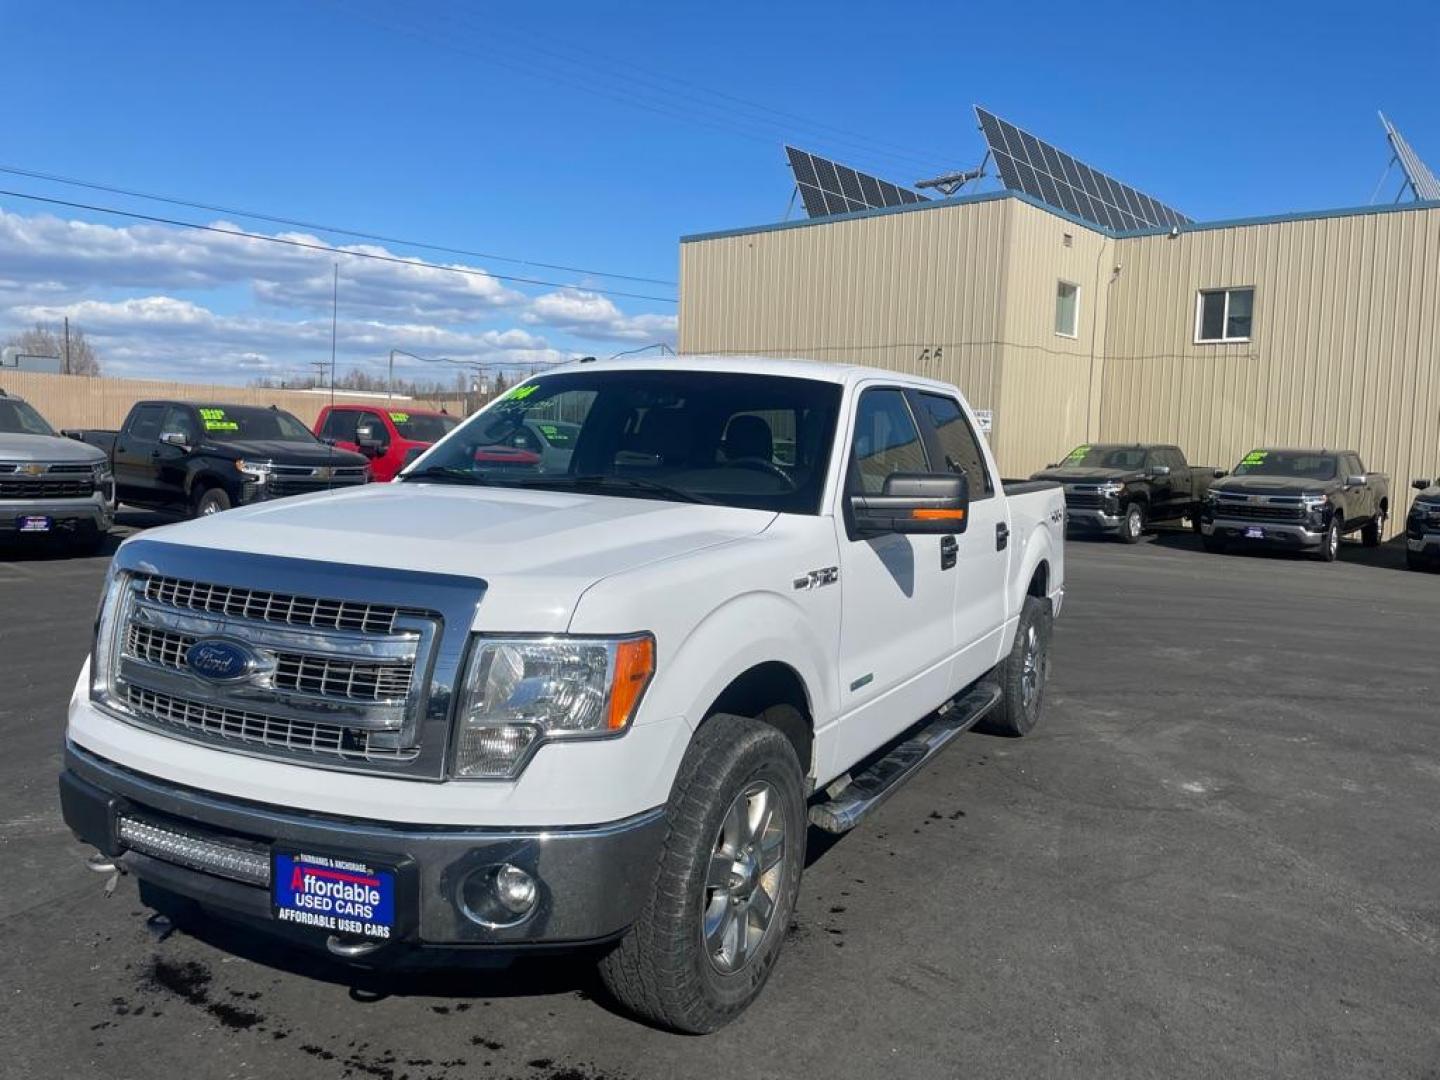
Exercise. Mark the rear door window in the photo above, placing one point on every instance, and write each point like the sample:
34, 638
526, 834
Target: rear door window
958, 442
886, 441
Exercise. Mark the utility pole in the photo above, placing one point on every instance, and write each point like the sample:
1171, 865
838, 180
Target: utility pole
319, 366
334, 317
67, 344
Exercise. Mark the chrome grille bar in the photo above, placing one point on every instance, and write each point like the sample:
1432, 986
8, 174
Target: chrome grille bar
292, 610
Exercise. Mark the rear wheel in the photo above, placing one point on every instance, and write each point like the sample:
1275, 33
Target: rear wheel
1132, 525
1370, 533
211, 501
1024, 674
727, 882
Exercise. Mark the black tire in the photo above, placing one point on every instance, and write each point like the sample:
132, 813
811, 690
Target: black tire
1371, 530
662, 970
1213, 544
1132, 523
1024, 674
213, 500
1330, 546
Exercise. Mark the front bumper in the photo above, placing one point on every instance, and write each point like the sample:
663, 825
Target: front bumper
1092, 519
1284, 534
95, 512
592, 880
1426, 545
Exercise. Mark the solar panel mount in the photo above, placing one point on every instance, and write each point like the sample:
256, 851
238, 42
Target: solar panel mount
1049, 174
828, 188
1423, 184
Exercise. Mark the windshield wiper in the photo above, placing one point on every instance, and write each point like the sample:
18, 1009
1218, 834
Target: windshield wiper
445, 474
604, 480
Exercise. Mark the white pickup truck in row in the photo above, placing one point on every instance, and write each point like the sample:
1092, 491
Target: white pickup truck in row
595, 698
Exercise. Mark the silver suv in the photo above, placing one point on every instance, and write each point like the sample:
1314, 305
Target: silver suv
50, 485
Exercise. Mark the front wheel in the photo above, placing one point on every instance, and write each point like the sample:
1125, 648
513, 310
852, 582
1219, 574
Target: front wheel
211, 501
1132, 525
1330, 545
726, 885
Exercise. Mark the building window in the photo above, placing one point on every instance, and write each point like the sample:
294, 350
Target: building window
1224, 314
1067, 308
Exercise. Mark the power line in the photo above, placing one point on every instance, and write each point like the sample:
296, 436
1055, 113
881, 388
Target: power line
327, 249
92, 185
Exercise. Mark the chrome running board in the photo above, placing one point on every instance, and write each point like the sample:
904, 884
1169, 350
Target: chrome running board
870, 788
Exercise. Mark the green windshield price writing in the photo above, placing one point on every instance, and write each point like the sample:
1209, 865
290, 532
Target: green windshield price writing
520, 393
215, 420
1255, 457
400, 417
1078, 453
550, 429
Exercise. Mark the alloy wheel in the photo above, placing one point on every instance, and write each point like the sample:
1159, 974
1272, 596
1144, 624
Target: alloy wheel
743, 880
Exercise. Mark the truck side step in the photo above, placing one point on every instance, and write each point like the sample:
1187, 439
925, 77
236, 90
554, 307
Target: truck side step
879, 780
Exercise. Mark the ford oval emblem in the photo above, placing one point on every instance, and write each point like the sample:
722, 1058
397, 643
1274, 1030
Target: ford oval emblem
219, 659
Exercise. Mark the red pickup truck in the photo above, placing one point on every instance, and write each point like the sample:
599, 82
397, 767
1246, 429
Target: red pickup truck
386, 434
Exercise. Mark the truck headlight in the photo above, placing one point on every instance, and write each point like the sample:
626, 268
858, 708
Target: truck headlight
1110, 488
521, 692
259, 471
100, 471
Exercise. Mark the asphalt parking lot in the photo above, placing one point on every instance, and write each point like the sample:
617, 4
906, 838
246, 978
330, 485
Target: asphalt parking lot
1216, 857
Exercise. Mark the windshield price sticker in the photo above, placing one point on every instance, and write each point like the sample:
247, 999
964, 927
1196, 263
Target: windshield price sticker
214, 420
520, 393
400, 417
1255, 457
336, 895
1078, 453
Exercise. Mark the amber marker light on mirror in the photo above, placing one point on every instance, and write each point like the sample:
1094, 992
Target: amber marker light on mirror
938, 515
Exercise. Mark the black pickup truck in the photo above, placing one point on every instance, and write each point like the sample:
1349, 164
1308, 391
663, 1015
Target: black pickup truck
1117, 489
204, 458
1305, 500
1422, 527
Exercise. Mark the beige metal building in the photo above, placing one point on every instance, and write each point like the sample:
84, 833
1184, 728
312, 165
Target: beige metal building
1307, 329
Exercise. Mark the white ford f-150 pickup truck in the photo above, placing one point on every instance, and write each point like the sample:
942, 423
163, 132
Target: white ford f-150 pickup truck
503, 703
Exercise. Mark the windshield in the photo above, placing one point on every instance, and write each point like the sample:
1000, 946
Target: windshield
1087, 456
758, 441
1287, 463
244, 423
18, 418
421, 427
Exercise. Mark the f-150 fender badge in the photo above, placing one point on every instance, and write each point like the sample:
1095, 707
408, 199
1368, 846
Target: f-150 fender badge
1057, 516
828, 575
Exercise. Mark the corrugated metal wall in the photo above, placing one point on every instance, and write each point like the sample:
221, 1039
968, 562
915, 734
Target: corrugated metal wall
73, 401
1344, 349
893, 291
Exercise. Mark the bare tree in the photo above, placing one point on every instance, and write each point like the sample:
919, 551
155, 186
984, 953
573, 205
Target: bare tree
79, 359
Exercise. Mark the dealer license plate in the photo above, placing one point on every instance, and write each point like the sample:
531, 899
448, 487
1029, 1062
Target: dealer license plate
333, 894
1254, 532
36, 524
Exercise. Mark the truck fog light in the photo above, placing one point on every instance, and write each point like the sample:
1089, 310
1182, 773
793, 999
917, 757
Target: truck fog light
498, 896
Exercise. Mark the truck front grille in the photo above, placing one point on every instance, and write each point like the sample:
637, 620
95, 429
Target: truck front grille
320, 676
1259, 512
1084, 500
270, 607
256, 729
45, 488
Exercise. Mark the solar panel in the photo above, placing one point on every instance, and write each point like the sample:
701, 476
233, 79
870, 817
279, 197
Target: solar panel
1422, 181
827, 187
1054, 177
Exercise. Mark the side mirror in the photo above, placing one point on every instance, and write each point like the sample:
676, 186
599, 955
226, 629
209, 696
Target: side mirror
923, 503
370, 441
1354, 481
175, 438
1053, 465
1220, 472
1159, 470
1419, 485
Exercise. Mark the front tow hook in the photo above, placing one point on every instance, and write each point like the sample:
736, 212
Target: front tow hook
351, 949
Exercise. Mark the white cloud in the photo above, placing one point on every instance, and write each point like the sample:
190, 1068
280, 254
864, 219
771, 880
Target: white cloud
590, 315
119, 284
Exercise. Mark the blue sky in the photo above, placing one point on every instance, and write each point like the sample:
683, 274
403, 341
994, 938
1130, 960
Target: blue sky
594, 135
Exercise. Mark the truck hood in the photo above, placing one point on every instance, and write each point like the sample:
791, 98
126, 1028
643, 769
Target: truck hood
537, 551
47, 448
284, 453
1077, 475
1273, 485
